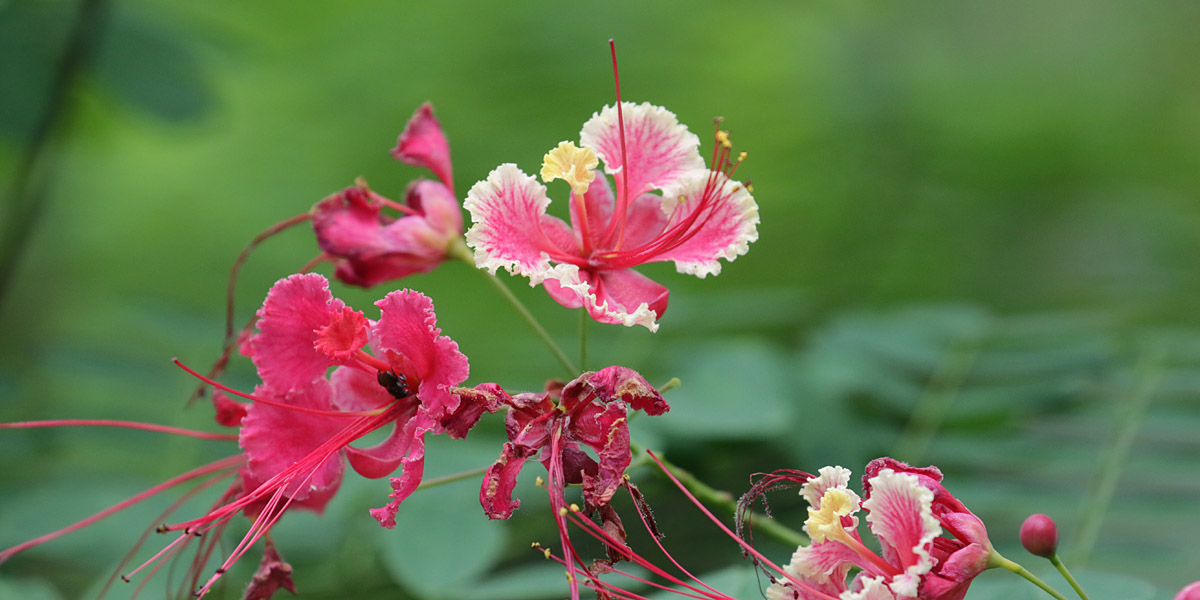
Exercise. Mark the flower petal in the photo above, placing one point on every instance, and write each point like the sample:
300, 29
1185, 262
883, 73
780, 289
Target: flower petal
275, 438
510, 230
621, 296
357, 390
496, 492
283, 349
422, 144
408, 326
273, 573
828, 477
658, 149
414, 467
726, 224
437, 205
901, 516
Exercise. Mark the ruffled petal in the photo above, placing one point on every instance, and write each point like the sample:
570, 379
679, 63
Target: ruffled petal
275, 438
414, 468
621, 296
822, 566
658, 149
900, 515
828, 477
407, 326
605, 428
385, 457
872, 588
273, 573
509, 214
703, 229
472, 403
611, 384
283, 350
422, 144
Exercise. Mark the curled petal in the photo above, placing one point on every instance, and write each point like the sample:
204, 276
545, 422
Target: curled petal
422, 144
496, 492
384, 458
953, 576
827, 477
407, 326
229, 412
472, 403
621, 296
271, 575
658, 149
509, 212
607, 432
414, 468
437, 205
821, 566
726, 224
283, 350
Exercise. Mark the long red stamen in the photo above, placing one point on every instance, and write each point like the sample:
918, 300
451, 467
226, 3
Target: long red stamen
204, 435
224, 463
311, 411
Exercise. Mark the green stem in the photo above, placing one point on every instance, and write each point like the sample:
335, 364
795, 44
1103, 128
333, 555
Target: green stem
1058, 564
584, 317
451, 478
1147, 374
995, 560
707, 494
458, 250
933, 405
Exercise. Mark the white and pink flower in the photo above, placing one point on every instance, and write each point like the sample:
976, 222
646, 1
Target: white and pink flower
666, 206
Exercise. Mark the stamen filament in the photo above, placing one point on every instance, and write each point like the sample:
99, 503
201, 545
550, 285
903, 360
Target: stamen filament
311, 411
204, 435
174, 481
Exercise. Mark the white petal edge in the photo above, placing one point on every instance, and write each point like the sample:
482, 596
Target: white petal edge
907, 584
746, 229
664, 120
568, 277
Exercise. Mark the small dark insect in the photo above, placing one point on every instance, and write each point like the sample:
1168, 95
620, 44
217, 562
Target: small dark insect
396, 385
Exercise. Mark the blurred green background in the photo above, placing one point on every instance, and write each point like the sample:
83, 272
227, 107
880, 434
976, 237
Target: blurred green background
978, 250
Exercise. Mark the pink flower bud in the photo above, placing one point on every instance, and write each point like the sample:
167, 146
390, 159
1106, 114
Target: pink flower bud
1039, 535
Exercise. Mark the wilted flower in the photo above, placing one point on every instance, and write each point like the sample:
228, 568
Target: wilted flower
553, 427
699, 215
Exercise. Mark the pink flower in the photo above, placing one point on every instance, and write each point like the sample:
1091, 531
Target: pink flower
304, 330
553, 427
698, 215
908, 510
369, 247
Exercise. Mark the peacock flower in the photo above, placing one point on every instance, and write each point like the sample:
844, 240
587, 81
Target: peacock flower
664, 205
908, 511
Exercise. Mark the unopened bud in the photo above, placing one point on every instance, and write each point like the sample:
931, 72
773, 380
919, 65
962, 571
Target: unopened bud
1039, 535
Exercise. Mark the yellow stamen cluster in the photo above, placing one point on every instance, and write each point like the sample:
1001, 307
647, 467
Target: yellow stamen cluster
827, 522
723, 138
572, 164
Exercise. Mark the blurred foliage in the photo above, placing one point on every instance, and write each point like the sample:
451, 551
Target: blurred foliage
979, 233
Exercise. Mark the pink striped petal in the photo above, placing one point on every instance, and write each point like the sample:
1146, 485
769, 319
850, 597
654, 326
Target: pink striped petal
821, 566
872, 588
728, 222
901, 516
422, 144
512, 229
407, 326
658, 149
275, 438
283, 350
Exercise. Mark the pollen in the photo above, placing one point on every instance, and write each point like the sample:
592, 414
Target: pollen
574, 507
723, 138
539, 481
827, 522
572, 164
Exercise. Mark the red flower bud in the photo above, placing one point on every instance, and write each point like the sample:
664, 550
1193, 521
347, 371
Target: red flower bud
1039, 535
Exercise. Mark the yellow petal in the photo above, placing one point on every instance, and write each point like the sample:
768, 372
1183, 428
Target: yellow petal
572, 164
